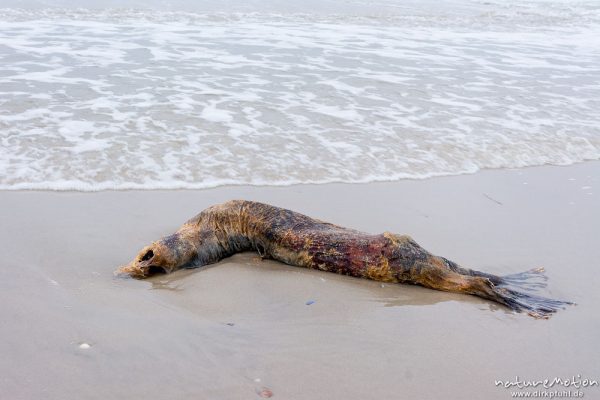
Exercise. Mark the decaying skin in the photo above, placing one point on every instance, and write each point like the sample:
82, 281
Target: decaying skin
236, 226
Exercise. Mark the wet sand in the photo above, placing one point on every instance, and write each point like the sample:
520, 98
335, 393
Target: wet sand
233, 329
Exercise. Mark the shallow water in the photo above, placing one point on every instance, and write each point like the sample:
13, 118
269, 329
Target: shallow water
196, 95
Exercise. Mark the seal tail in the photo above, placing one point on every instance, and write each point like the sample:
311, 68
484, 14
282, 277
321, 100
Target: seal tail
515, 292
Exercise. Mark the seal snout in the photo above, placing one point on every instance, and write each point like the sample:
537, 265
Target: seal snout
145, 264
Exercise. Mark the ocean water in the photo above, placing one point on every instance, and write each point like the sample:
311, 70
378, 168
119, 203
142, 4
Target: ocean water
201, 94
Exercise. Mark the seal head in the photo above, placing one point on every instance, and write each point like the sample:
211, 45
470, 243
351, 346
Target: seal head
161, 257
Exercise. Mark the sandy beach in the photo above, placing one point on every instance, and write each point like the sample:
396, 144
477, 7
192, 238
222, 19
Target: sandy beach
242, 329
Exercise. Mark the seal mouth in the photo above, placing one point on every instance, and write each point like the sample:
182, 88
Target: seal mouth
155, 270
137, 271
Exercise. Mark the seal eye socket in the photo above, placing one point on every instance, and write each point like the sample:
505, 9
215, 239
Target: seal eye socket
149, 254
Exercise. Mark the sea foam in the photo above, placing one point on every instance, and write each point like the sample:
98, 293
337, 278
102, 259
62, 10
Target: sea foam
150, 99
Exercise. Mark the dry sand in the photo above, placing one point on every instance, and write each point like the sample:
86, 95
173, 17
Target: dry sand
228, 331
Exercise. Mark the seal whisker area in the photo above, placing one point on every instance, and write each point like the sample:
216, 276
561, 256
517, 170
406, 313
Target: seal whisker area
296, 239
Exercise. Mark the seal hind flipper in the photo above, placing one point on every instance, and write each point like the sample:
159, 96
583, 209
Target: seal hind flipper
533, 279
510, 290
514, 290
534, 305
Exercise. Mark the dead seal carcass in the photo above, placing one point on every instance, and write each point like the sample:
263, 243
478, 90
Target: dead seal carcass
295, 239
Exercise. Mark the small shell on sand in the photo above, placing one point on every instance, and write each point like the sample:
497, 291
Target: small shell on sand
84, 346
